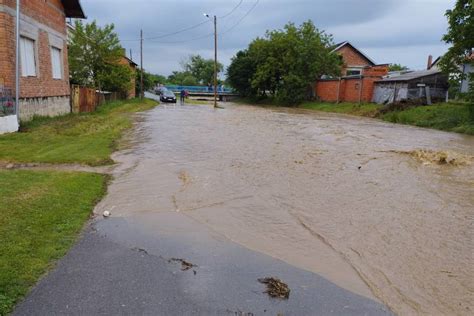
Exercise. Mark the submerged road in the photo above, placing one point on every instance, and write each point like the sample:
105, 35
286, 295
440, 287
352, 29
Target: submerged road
349, 212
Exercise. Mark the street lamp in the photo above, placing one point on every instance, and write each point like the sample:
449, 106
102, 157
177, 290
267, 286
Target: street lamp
215, 58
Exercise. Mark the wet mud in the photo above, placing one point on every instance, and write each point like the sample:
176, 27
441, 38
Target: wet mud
370, 206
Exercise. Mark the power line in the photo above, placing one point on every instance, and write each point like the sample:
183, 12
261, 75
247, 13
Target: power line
231, 11
177, 32
240, 20
184, 29
184, 41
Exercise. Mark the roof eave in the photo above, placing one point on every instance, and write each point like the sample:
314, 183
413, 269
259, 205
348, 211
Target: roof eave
347, 43
73, 9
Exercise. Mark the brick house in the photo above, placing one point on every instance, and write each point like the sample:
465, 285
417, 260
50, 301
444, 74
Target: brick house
356, 82
353, 59
133, 67
44, 82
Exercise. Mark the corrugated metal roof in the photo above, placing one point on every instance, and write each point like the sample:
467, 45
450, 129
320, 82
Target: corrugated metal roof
412, 75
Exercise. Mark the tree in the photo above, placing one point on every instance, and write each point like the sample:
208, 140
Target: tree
461, 36
397, 67
240, 72
285, 63
149, 80
182, 78
94, 55
201, 69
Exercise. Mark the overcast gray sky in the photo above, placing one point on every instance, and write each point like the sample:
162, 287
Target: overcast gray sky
389, 31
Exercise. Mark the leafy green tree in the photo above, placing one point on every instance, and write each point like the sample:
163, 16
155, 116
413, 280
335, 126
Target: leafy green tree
201, 69
240, 72
181, 77
94, 55
149, 80
285, 63
461, 36
397, 67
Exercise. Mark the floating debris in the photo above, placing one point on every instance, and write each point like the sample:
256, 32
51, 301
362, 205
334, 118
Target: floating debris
276, 288
140, 250
438, 157
106, 214
184, 264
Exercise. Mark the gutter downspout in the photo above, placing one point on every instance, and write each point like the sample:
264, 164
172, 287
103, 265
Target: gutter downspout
17, 63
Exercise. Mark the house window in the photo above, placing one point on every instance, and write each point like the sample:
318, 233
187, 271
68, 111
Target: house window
56, 63
28, 58
353, 72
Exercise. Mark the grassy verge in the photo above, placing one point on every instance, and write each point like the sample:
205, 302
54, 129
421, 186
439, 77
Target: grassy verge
75, 138
41, 214
453, 117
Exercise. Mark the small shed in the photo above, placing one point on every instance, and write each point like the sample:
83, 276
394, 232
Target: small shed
425, 86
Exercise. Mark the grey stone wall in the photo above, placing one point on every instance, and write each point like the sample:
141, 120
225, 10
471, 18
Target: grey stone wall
45, 106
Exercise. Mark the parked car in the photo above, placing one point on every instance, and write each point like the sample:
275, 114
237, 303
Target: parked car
167, 96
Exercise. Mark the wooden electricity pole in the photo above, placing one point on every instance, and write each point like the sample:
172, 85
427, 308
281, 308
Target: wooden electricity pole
215, 61
141, 64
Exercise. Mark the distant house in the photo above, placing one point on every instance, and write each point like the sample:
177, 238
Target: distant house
353, 59
133, 67
468, 69
44, 82
356, 81
423, 86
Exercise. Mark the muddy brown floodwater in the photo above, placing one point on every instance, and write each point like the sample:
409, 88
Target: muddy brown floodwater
369, 205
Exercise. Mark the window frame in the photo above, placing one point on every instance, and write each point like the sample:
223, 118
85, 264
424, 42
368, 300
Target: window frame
60, 63
28, 71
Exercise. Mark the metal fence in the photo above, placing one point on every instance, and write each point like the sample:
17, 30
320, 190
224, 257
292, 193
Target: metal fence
7, 102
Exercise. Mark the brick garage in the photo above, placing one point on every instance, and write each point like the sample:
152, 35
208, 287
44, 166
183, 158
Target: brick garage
351, 88
43, 24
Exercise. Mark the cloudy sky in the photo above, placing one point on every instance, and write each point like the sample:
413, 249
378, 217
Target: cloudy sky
389, 31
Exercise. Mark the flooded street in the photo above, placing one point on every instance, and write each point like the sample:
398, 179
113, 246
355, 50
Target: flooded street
351, 199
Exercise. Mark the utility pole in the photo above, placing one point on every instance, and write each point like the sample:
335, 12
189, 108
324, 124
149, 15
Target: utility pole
141, 64
215, 61
17, 63
131, 56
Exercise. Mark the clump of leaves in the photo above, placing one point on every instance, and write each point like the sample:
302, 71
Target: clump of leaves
276, 288
185, 265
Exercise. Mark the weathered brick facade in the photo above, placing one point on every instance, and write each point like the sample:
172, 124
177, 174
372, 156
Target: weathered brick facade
351, 89
352, 57
358, 88
42, 21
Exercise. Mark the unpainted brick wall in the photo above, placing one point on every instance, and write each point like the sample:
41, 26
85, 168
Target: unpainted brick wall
49, 13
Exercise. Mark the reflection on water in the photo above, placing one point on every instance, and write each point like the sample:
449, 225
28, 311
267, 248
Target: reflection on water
331, 194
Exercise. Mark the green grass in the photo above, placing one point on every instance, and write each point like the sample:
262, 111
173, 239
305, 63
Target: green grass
87, 138
365, 109
453, 117
41, 214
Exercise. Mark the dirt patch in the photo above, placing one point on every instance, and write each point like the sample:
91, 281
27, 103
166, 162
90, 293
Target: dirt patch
185, 265
276, 288
428, 157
